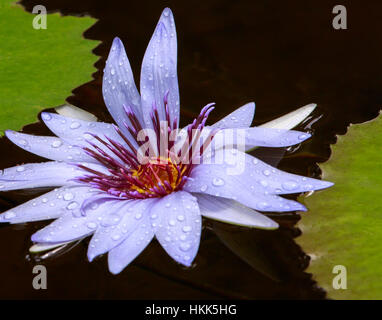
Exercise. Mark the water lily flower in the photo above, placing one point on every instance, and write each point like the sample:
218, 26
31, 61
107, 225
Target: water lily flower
105, 191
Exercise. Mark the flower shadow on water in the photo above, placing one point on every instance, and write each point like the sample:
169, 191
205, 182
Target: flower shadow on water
205, 73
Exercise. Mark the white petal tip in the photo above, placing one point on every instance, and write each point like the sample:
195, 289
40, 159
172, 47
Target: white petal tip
292, 119
41, 247
70, 111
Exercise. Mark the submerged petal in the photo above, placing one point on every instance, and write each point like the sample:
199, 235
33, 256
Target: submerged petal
118, 86
52, 148
71, 226
240, 118
177, 223
48, 206
120, 256
159, 70
130, 214
230, 211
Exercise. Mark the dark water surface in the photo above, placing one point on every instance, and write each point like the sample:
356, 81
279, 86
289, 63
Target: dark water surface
280, 54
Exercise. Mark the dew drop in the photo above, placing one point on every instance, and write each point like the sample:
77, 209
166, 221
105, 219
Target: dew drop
138, 216
289, 185
56, 143
72, 205
75, 125
46, 116
203, 188
264, 183
266, 173
10, 215
68, 196
263, 205
116, 237
92, 225
172, 222
180, 218
185, 246
303, 136
217, 182
186, 229
20, 169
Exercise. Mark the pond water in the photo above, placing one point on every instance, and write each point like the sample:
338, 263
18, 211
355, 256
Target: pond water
282, 55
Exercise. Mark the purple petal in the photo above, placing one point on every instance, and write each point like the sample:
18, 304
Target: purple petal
228, 176
118, 86
46, 174
78, 132
229, 211
159, 70
176, 221
248, 138
240, 118
107, 237
48, 206
120, 256
260, 176
71, 226
265, 137
48, 147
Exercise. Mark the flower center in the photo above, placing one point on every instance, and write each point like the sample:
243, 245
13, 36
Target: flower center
160, 174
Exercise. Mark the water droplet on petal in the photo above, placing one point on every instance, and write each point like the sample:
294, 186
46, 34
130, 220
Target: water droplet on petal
303, 136
203, 188
263, 205
138, 216
218, 182
92, 225
46, 116
75, 125
10, 215
56, 143
289, 185
266, 173
186, 229
116, 237
20, 169
68, 196
72, 205
185, 246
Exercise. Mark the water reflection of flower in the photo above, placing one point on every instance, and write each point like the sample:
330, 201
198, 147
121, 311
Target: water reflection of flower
105, 190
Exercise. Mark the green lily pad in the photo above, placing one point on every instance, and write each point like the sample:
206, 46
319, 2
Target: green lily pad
344, 223
40, 67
